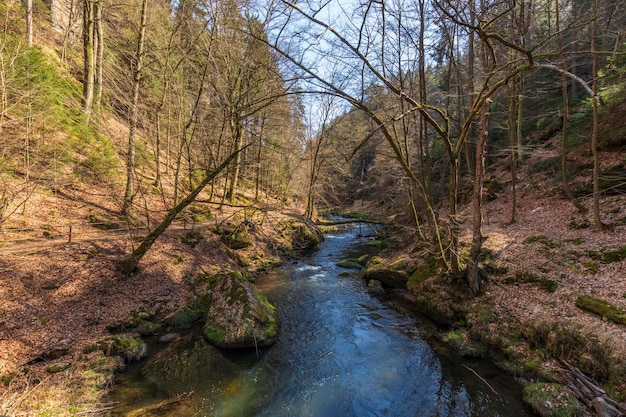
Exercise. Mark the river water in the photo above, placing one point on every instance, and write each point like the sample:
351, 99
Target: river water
341, 352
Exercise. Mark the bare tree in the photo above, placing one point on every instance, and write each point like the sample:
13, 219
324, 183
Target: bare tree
134, 110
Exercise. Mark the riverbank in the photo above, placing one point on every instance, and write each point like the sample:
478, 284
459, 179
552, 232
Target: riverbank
532, 318
70, 317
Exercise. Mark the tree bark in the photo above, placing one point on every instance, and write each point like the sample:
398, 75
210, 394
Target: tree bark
134, 111
88, 56
99, 51
29, 22
473, 276
132, 260
594, 126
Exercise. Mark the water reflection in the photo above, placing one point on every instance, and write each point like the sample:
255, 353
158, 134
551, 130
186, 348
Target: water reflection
340, 353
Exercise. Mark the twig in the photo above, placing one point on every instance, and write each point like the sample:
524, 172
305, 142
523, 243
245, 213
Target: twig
482, 379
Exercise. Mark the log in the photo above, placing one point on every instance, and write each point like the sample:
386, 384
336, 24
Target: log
590, 393
604, 409
349, 221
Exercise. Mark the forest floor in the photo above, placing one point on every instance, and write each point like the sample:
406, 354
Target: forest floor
57, 297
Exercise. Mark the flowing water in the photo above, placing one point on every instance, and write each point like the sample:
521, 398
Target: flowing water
341, 353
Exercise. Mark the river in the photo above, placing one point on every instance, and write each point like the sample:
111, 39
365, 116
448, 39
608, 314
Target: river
341, 352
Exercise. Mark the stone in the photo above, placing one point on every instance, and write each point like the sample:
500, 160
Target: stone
238, 315
394, 273
375, 287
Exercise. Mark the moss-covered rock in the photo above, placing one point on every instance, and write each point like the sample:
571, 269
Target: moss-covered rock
393, 273
237, 238
424, 271
188, 364
238, 315
364, 259
440, 301
349, 264
300, 235
602, 308
184, 317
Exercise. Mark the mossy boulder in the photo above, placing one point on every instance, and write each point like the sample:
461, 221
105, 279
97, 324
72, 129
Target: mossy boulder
393, 273
237, 238
184, 317
350, 264
186, 365
300, 235
424, 271
238, 315
440, 301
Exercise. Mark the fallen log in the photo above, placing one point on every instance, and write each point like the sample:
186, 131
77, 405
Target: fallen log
590, 393
349, 221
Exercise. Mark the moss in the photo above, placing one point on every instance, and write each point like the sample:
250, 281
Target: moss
185, 317
376, 243
544, 240
531, 278
494, 189
214, 332
616, 255
591, 267
57, 367
146, 327
421, 274
129, 348
363, 259
602, 308
191, 238
460, 341
550, 399
350, 264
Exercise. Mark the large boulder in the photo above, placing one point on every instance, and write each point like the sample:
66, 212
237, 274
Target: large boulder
300, 234
393, 273
238, 315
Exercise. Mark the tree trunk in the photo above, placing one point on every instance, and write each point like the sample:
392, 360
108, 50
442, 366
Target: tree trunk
134, 111
99, 39
473, 276
238, 136
29, 22
594, 126
88, 56
512, 125
132, 260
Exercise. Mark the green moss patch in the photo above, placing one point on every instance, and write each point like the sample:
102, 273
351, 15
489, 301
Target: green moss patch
129, 348
350, 264
602, 308
552, 400
531, 278
544, 240
608, 256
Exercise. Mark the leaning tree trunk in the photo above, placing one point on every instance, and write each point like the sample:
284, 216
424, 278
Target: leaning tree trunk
473, 277
131, 262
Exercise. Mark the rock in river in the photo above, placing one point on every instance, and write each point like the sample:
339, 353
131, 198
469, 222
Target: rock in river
238, 315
